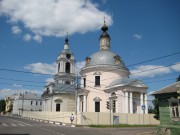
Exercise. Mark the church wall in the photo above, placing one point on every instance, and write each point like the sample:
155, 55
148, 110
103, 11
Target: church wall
106, 78
67, 104
91, 102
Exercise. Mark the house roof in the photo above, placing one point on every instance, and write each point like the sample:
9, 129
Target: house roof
29, 96
168, 89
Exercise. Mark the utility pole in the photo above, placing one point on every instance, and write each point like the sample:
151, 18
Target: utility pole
22, 104
77, 87
76, 92
0, 106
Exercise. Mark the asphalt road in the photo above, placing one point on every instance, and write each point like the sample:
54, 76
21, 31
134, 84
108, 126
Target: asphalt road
19, 126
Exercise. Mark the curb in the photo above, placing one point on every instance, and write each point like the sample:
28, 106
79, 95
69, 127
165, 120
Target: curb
47, 121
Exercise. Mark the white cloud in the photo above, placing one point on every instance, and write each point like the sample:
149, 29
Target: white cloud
9, 92
55, 17
138, 36
16, 30
104, 1
41, 68
17, 85
80, 65
45, 68
149, 71
49, 80
38, 38
176, 66
27, 37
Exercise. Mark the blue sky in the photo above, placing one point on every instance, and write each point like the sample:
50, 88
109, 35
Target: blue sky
32, 35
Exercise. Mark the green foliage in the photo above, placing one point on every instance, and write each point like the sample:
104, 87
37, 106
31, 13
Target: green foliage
120, 126
178, 79
2, 105
156, 108
150, 110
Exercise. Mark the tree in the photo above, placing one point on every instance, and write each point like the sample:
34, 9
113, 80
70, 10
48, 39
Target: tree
178, 79
2, 105
150, 110
156, 108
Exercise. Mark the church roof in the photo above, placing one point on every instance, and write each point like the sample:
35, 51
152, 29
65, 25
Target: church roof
63, 88
104, 57
126, 82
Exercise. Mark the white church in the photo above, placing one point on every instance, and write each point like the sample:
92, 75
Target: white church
104, 83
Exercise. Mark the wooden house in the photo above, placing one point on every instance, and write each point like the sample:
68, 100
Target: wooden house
169, 109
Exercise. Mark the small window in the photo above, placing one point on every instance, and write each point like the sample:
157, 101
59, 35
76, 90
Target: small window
84, 82
40, 103
174, 108
58, 106
97, 80
31, 102
97, 106
36, 102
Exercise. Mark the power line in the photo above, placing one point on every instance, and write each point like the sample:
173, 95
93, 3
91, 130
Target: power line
19, 80
144, 71
19, 71
144, 61
157, 58
89, 80
11, 70
133, 73
20, 85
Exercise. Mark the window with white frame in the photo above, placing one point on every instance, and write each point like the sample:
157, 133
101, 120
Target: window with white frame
97, 80
174, 105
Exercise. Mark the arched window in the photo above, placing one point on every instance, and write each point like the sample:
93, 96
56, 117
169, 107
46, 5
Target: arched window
58, 67
47, 90
68, 67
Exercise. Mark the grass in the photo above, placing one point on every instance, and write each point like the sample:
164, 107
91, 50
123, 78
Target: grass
117, 126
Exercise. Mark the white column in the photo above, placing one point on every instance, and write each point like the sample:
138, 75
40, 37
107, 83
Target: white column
61, 66
141, 102
146, 105
71, 68
84, 103
130, 104
78, 103
126, 102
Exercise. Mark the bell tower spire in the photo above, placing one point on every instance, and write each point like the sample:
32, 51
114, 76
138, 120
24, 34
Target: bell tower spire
65, 72
104, 38
66, 45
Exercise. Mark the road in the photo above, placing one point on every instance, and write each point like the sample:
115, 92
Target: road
19, 126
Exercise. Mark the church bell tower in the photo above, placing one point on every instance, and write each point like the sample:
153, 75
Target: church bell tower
65, 72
